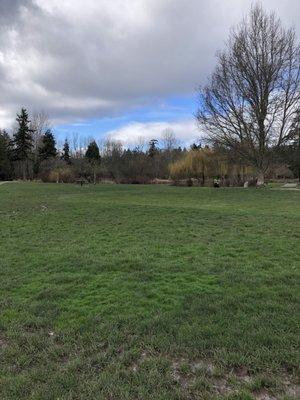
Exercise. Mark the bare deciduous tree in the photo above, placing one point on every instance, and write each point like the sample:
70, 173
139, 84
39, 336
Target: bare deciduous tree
140, 144
75, 143
168, 139
40, 123
253, 94
169, 143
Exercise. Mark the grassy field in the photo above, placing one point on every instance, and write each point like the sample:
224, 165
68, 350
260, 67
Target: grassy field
148, 292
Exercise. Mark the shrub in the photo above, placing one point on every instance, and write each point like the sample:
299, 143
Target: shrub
64, 175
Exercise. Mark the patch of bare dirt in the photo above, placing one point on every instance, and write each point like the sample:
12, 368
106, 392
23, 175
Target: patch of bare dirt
135, 365
185, 372
291, 389
263, 395
224, 385
3, 343
219, 385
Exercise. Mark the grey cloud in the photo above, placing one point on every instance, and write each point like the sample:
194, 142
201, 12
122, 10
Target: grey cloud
10, 10
98, 58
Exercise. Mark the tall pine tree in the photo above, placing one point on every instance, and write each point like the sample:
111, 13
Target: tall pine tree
93, 156
66, 152
152, 148
23, 141
5, 155
47, 148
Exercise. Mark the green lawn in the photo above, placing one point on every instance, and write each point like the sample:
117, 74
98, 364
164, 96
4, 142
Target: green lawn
148, 292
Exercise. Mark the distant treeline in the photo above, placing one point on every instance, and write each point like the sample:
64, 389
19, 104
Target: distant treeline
31, 152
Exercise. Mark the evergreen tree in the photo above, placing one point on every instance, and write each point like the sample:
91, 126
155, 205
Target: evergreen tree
66, 152
153, 153
48, 146
93, 156
5, 155
152, 148
23, 141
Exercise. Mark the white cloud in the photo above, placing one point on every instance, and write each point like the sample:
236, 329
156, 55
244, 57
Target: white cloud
136, 132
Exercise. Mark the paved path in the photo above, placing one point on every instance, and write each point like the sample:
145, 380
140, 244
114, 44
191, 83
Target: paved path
2, 183
285, 189
290, 186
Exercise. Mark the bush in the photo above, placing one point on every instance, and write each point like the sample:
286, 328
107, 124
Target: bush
63, 175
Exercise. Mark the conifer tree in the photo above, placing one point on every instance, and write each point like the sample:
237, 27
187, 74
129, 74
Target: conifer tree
23, 141
5, 155
48, 146
93, 156
152, 148
66, 152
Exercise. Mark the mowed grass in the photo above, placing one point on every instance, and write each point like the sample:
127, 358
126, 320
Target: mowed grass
148, 292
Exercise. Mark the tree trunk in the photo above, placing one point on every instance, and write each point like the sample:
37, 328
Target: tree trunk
94, 175
260, 179
24, 170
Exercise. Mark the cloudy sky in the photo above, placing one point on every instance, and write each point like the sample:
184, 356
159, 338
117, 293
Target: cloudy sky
123, 68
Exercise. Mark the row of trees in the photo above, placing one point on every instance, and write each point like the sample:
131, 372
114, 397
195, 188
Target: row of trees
32, 153
32, 150
32, 142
